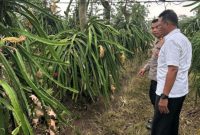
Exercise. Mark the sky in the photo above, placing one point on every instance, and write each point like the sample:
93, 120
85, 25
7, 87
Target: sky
154, 8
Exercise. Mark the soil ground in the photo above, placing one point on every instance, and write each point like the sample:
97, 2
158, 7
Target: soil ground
128, 111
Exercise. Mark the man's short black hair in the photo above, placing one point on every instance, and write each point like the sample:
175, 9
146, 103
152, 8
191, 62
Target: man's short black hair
170, 16
154, 21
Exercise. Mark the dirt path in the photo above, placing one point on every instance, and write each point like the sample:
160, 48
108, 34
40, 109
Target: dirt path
128, 111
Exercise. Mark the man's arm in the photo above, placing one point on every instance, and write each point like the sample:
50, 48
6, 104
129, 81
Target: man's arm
144, 69
170, 79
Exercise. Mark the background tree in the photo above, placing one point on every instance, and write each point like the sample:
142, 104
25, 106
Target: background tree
107, 9
191, 27
68, 9
82, 13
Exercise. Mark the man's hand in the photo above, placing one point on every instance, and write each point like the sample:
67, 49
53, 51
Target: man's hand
141, 72
162, 106
169, 82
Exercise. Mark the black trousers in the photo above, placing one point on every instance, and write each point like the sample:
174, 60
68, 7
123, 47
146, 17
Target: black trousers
152, 92
167, 124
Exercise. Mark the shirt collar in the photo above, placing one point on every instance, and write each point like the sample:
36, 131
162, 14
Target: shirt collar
172, 33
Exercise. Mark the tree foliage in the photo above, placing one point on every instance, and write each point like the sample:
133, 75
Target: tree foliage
47, 56
191, 27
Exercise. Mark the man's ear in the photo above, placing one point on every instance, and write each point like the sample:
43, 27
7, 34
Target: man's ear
169, 23
166, 22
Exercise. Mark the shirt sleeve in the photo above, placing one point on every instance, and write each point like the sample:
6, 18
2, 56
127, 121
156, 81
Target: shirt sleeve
149, 61
172, 53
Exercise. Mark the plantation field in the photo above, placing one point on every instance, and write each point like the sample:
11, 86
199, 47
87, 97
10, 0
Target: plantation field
77, 74
128, 111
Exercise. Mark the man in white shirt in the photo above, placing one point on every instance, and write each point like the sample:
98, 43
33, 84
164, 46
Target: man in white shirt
174, 61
